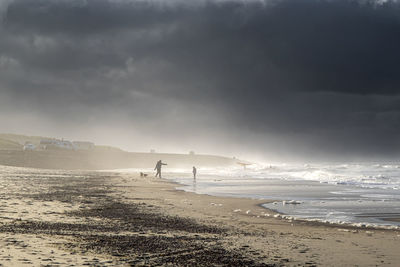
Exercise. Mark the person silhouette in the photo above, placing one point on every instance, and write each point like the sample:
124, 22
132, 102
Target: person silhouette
194, 172
158, 167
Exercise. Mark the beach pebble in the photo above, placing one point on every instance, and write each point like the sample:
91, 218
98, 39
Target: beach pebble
369, 233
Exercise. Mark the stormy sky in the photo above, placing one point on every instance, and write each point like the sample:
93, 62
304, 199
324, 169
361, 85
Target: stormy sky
271, 80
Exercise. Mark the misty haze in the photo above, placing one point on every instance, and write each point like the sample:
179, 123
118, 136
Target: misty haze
199, 132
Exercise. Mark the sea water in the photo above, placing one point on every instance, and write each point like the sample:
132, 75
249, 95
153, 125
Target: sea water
359, 194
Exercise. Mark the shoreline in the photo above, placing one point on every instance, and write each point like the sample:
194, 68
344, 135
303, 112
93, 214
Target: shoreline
113, 219
291, 219
309, 195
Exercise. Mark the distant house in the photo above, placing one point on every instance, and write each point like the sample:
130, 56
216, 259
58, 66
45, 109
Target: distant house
79, 145
66, 145
48, 144
29, 146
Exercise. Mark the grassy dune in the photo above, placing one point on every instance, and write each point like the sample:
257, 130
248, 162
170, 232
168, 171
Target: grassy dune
101, 157
20, 139
9, 145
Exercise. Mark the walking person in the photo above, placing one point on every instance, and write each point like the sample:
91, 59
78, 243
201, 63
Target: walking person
194, 172
158, 167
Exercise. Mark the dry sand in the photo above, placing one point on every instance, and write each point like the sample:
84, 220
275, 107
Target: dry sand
110, 219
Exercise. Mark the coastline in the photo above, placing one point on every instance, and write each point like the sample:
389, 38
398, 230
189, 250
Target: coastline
306, 200
268, 212
113, 219
315, 242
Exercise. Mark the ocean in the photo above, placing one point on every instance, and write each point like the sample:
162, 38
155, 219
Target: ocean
360, 194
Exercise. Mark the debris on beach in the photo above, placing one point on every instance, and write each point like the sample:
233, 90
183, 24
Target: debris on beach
291, 202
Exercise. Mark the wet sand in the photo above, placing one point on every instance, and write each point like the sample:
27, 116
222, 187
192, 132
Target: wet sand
318, 201
55, 218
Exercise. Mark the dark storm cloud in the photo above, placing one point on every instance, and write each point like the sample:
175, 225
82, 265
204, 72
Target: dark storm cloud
303, 77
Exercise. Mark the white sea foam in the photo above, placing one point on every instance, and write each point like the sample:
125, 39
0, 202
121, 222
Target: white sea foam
385, 176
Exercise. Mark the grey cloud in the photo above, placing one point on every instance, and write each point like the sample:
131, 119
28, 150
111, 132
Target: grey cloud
303, 77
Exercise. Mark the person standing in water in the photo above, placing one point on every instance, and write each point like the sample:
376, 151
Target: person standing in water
158, 167
194, 172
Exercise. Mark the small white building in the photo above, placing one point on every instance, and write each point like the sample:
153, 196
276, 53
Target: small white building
29, 147
66, 145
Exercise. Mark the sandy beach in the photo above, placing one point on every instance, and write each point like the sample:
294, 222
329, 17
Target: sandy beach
72, 218
274, 125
